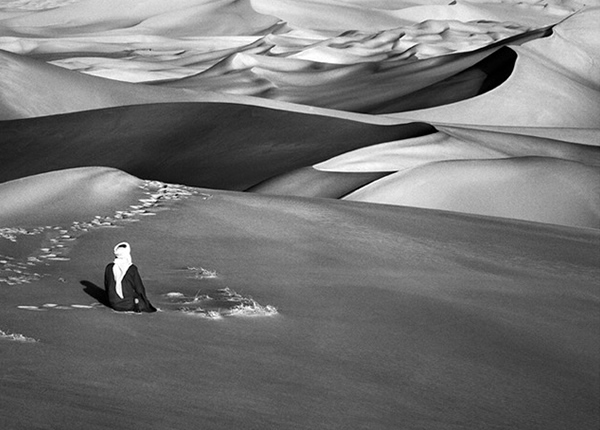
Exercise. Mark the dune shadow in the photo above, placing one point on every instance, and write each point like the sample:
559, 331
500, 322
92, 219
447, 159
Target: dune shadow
95, 292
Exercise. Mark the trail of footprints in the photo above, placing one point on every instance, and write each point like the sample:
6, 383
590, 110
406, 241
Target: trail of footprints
58, 240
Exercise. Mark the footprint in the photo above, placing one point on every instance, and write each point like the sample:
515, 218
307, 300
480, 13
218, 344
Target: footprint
31, 308
55, 306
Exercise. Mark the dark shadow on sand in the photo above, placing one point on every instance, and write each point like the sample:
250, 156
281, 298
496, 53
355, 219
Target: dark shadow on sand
95, 292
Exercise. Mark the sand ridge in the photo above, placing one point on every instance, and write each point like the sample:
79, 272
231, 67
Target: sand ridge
299, 66
530, 188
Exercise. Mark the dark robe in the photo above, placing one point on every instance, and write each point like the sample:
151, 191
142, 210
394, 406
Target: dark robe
133, 288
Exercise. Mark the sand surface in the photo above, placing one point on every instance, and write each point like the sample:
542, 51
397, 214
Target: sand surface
383, 313
365, 215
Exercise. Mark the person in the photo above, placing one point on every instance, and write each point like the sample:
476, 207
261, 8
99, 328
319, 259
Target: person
123, 283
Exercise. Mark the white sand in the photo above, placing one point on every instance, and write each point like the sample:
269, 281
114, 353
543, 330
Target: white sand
437, 316
554, 84
530, 188
94, 190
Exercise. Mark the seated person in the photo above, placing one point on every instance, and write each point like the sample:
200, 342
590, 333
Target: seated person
123, 283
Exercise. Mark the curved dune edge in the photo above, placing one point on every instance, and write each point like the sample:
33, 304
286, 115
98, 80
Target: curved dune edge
535, 189
391, 84
323, 14
311, 182
313, 80
67, 194
568, 95
579, 108
461, 169
213, 145
460, 143
185, 17
33, 88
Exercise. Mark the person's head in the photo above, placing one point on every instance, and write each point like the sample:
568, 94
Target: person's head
122, 250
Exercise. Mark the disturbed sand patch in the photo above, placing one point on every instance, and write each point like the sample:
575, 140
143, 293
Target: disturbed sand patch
16, 337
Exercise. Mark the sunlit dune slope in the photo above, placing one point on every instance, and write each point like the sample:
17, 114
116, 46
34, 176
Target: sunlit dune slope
32, 88
555, 83
332, 15
494, 173
537, 189
445, 56
382, 84
463, 143
181, 18
68, 195
205, 144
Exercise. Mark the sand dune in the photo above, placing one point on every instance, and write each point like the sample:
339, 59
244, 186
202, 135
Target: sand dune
368, 86
213, 145
568, 95
419, 248
408, 312
154, 16
483, 172
460, 143
361, 87
311, 182
535, 189
363, 70
82, 192
322, 14
31, 88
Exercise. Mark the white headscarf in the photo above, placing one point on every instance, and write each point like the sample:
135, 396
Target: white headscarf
122, 263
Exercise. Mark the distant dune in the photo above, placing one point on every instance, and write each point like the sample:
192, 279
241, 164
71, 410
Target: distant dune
554, 84
212, 145
32, 88
536, 189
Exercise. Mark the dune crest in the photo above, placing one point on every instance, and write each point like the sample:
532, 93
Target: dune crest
183, 17
458, 143
435, 57
555, 83
534, 189
324, 14
73, 193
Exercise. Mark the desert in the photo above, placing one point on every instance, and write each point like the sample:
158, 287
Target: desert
349, 214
